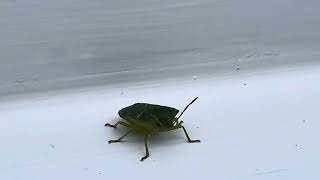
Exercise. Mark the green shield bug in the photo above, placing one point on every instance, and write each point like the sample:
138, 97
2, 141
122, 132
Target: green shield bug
149, 119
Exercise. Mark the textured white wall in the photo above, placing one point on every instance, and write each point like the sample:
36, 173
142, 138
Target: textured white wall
47, 43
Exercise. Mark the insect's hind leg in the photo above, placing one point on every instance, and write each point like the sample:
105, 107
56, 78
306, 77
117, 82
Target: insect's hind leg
146, 146
116, 124
186, 133
119, 140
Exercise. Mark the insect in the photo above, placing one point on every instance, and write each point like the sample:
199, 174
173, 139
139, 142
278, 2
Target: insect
149, 119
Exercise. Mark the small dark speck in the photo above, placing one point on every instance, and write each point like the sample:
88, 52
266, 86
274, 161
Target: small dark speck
52, 146
121, 93
244, 84
304, 121
99, 173
237, 68
197, 127
300, 147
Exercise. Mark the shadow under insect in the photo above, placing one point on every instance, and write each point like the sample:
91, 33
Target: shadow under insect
150, 119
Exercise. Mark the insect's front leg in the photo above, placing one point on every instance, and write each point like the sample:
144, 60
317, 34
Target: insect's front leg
119, 140
116, 124
189, 139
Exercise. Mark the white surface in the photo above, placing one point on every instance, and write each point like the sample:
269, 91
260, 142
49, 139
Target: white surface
266, 129
164, 52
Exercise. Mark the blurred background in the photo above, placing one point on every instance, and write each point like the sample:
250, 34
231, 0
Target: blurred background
50, 44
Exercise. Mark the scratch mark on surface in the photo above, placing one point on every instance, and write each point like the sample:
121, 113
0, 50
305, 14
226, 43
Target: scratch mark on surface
270, 172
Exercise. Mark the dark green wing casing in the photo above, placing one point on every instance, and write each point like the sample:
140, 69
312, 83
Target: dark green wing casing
151, 114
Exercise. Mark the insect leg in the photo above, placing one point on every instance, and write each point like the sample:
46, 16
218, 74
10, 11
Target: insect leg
116, 124
146, 146
189, 140
119, 140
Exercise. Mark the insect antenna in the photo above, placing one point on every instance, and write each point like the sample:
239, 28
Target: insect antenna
187, 107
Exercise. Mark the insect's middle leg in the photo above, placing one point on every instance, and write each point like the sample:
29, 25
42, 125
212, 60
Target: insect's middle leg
189, 139
146, 146
119, 140
116, 124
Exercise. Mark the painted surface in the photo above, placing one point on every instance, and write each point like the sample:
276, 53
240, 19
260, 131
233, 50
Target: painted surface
251, 128
253, 64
